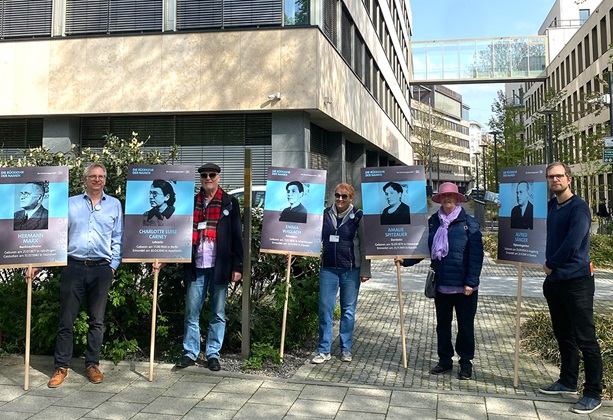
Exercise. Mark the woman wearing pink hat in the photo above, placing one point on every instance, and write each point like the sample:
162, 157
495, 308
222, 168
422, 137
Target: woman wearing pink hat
456, 249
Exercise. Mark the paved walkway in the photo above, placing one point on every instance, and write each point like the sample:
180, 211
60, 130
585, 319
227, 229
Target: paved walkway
374, 386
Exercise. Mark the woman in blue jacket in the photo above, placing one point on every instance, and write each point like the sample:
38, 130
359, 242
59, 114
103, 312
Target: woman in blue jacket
343, 266
456, 249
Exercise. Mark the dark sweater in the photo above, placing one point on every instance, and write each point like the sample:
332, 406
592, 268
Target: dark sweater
568, 239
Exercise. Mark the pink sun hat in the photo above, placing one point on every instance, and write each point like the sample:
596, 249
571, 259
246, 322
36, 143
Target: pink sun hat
448, 188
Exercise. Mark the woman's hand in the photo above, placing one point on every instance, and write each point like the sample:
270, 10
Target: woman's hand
468, 290
363, 279
398, 260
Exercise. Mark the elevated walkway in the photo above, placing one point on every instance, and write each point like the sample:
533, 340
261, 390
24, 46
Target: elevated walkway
479, 60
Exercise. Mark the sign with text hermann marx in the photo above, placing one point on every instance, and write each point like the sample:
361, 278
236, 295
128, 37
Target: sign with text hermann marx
293, 211
395, 212
159, 213
34, 216
522, 216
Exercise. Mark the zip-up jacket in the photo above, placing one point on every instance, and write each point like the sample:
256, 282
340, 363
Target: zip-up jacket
349, 251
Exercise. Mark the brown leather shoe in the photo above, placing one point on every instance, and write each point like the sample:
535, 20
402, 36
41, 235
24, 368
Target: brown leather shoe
58, 377
94, 374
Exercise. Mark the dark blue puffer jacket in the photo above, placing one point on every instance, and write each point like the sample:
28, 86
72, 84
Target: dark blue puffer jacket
346, 253
462, 265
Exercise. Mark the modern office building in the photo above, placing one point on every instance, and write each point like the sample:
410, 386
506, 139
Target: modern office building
304, 83
580, 35
440, 121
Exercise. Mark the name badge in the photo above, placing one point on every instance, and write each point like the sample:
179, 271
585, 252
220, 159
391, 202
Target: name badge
201, 225
334, 238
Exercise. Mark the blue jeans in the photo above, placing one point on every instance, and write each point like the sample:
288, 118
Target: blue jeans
571, 306
194, 300
330, 280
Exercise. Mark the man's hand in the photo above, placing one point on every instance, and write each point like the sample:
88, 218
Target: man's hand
236, 276
546, 269
31, 273
363, 279
468, 290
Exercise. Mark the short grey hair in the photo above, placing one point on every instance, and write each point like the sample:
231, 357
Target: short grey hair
93, 165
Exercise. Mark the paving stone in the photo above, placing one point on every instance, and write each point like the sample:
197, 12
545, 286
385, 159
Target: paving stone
461, 411
13, 415
188, 390
223, 401
10, 392
413, 399
199, 413
65, 413
137, 395
357, 415
507, 406
115, 410
274, 396
261, 411
237, 386
323, 393
28, 404
404, 413
281, 384
365, 404
170, 405
147, 416
314, 409
84, 399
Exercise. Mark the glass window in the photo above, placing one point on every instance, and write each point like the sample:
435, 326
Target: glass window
296, 12
583, 15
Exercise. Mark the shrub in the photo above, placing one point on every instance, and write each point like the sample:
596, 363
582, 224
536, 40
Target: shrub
537, 338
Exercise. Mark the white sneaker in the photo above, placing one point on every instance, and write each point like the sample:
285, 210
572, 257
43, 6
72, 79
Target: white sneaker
321, 358
346, 356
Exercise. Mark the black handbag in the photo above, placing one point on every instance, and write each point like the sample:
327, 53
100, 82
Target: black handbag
430, 287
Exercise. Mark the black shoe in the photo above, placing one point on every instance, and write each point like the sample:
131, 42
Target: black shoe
465, 373
438, 369
185, 362
214, 365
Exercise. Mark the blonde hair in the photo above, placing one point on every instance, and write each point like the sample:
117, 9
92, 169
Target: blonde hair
347, 187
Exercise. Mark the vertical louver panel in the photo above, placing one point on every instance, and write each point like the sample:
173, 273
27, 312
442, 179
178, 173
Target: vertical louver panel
331, 20
112, 16
19, 134
193, 14
25, 18
346, 35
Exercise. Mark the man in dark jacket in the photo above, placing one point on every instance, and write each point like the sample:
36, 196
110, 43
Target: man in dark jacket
217, 259
569, 290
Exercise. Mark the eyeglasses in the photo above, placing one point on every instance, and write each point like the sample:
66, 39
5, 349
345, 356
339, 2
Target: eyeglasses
93, 177
343, 196
555, 176
27, 194
154, 194
211, 175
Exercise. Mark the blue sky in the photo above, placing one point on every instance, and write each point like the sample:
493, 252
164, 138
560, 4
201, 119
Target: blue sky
454, 19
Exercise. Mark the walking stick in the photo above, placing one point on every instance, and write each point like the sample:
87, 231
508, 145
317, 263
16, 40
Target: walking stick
26, 383
156, 272
517, 326
400, 307
287, 286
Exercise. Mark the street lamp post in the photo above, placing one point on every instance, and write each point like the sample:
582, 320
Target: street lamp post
477, 168
438, 171
484, 178
495, 133
549, 113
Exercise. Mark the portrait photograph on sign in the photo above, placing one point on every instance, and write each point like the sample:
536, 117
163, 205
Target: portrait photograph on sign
293, 211
35, 221
159, 210
522, 216
395, 211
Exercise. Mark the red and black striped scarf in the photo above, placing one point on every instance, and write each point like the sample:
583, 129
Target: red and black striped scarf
211, 215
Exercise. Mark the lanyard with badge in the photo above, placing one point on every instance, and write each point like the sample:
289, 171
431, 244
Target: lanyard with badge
335, 237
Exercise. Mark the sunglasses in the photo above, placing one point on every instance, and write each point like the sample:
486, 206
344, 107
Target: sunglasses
343, 196
211, 175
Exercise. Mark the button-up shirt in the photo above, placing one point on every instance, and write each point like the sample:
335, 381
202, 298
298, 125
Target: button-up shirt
95, 232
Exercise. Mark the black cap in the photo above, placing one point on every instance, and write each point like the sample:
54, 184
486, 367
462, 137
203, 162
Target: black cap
209, 167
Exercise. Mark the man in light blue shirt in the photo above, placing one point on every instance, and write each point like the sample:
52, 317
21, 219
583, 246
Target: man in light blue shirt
95, 229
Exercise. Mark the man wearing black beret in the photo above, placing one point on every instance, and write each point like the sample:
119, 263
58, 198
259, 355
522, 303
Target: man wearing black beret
217, 259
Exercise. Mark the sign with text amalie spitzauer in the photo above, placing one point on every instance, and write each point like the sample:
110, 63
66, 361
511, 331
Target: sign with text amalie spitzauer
293, 211
395, 211
34, 217
522, 216
159, 213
